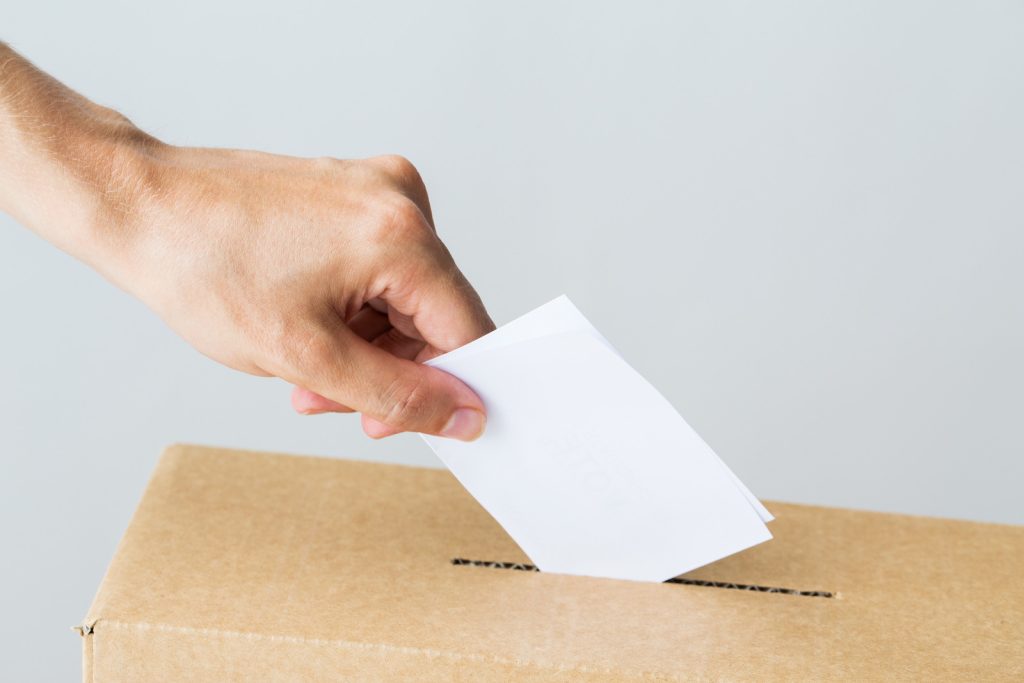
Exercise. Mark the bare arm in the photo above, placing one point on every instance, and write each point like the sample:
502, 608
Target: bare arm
324, 272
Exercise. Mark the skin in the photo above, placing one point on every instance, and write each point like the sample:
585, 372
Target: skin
326, 273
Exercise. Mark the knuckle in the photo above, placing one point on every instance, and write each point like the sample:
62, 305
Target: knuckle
406, 215
404, 400
398, 220
326, 164
400, 168
315, 350
299, 348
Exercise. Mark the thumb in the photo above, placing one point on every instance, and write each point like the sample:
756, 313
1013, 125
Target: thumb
444, 311
399, 393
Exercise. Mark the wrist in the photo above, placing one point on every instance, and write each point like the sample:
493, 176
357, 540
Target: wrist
80, 182
115, 169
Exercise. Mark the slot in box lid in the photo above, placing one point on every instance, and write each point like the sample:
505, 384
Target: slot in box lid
252, 566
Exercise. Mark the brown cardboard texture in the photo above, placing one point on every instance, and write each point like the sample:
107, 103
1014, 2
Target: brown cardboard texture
243, 566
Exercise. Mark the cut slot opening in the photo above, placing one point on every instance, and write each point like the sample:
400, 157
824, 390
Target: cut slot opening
523, 567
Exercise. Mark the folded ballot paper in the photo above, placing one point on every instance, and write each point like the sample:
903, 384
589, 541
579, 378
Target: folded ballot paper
586, 466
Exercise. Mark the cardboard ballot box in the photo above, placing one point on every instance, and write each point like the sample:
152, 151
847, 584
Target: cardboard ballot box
245, 566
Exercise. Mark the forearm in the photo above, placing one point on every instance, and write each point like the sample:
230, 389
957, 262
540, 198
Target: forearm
69, 169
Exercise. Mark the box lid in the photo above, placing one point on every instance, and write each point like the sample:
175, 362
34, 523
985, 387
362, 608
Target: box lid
241, 565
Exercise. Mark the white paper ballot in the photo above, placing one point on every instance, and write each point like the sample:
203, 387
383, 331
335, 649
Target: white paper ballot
586, 466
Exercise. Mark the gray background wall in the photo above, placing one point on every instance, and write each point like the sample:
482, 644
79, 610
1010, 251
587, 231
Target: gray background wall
802, 221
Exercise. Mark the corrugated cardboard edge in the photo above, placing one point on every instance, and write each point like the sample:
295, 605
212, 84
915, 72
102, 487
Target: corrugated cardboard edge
87, 647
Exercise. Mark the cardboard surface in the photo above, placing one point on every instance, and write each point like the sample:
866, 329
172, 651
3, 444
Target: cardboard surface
248, 566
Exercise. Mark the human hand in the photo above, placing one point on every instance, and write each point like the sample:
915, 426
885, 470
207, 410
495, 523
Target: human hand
326, 273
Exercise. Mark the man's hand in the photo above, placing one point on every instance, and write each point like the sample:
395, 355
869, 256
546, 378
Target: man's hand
326, 273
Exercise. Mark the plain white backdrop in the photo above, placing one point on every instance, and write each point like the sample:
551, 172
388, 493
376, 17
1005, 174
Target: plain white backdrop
802, 221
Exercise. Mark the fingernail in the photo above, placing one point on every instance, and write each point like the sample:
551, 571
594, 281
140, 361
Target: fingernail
466, 424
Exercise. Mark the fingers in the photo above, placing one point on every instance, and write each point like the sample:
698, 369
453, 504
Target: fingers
446, 320
368, 324
307, 402
439, 312
393, 341
426, 293
397, 344
375, 429
437, 304
407, 180
430, 308
399, 393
